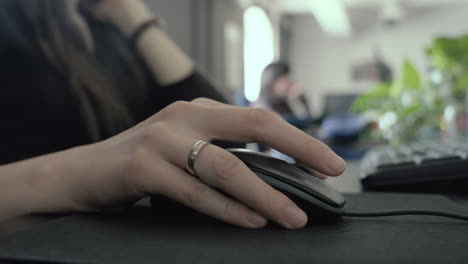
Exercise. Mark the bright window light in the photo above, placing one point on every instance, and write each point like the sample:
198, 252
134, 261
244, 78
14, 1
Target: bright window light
259, 49
332, 17
233, 55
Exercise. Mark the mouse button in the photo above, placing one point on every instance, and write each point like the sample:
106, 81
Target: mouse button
305, 168
303, 199
259, 160
288, 173
307, 182
310, 184
325, 190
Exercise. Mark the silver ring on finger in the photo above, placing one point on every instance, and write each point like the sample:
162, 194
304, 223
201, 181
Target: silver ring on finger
197, 147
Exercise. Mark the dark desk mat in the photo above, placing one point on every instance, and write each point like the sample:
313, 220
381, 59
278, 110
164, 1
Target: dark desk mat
143, 236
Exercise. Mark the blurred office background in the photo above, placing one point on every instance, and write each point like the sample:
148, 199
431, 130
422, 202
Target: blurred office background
334, 47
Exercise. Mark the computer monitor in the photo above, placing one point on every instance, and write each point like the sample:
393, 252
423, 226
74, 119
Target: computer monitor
338, 104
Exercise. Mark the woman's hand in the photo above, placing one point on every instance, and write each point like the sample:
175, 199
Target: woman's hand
151, 159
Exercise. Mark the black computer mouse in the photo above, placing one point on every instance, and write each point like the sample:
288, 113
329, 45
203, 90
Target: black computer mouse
319, 200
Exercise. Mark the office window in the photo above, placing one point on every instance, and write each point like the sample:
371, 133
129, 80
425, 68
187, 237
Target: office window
233, 55
258, 49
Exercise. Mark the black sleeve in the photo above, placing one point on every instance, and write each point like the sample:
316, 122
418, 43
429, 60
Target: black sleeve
192, 87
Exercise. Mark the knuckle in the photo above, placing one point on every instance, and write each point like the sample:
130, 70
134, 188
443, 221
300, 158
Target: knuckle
175, 108
195, 194
226, 165
180, 106
259, 117
202, 100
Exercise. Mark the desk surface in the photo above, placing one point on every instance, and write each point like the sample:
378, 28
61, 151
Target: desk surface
142, 235
350, 181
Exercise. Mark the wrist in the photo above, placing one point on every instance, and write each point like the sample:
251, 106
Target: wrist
54, 182
127, 15
53, 174
34, 186
131, 25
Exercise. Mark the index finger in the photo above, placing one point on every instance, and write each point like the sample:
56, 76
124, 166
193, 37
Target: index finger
262, 126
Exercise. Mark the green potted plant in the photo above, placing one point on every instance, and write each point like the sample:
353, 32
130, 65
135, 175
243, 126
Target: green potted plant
411, 108
405, 109
449, 57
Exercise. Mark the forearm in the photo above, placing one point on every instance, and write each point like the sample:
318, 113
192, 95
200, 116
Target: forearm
34, 186
167, 62
165, 59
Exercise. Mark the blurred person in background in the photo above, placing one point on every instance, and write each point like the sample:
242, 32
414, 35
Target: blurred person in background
284, 95
92, 119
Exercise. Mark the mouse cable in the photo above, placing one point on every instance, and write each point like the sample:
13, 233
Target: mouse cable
405, 212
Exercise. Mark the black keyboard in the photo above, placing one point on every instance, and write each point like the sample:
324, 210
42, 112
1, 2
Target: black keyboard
428, 163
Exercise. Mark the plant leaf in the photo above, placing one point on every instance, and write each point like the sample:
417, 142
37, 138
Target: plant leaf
408, 111
373, 99
396, 88
411, 79
461, 83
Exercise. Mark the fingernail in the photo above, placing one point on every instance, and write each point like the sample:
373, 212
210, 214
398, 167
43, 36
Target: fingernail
296, 217
335, 163
256, 220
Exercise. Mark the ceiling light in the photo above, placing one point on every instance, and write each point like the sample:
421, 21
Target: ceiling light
332, 16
